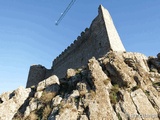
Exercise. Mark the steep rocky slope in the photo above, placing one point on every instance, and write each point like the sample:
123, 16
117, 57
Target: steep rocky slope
118, 86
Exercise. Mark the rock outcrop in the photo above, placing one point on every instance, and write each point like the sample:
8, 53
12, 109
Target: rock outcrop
12, 101
118, 86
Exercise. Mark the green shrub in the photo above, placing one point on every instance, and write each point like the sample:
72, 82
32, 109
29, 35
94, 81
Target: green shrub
119, 116
114, 94
115, 88
147, 92
113, 97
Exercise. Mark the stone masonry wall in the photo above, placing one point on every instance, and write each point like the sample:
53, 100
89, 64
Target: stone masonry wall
36, 74
95, 41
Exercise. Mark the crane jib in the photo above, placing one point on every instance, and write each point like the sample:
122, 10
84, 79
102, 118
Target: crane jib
65, 12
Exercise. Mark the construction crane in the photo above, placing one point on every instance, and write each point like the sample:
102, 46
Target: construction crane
65, 12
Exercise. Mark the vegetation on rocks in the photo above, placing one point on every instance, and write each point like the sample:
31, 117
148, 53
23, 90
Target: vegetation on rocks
114, 94
110, 88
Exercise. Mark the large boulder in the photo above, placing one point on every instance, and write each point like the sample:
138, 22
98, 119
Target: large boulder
143, 106
52, 80
100, 107
16, 99
71, 73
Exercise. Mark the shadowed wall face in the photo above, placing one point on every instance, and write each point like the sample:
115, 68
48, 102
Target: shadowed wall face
36, 74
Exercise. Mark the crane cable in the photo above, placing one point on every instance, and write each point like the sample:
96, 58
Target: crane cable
65, 12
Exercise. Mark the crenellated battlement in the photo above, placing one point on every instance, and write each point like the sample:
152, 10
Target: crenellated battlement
76, 43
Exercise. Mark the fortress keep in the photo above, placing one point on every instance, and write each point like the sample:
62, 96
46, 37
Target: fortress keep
100, 38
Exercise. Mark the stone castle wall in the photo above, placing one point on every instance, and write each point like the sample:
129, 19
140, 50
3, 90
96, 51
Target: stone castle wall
97, 40
87, 45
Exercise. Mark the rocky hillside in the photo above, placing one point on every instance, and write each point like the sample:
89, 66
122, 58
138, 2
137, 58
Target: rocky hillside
118, 86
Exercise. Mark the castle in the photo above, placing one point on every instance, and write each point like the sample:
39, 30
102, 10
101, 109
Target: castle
100, 38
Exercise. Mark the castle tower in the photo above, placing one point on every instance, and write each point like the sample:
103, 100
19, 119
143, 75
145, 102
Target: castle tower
36, 74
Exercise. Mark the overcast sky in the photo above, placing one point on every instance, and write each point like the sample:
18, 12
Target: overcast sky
28, 34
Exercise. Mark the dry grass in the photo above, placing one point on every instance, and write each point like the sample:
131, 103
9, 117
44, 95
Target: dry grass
82, 93
46, 112
47, 96
66, 106
45, 99
18, 116
32, 116
74, 110
106, 81
92, 93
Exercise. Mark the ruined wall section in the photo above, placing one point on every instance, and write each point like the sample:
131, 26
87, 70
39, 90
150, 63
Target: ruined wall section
36, 74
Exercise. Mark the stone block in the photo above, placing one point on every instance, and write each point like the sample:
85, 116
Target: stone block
52, 80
